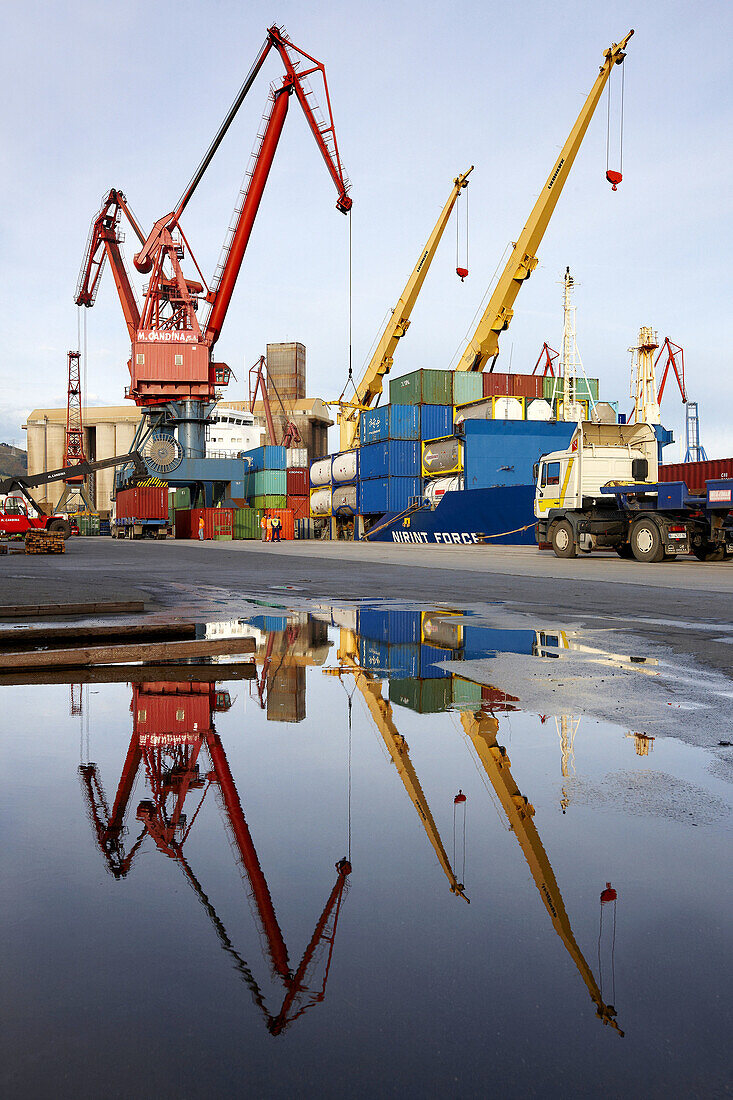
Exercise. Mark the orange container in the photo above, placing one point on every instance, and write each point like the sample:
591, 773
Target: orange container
286, 519
300, 507
217, 521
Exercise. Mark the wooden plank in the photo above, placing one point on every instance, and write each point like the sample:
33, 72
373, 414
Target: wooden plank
54, 610
132, 674
117, 654
21, 637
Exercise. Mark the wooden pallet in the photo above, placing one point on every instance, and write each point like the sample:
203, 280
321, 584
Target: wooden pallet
43, 542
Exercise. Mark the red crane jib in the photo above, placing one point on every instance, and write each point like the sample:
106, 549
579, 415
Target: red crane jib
171, 351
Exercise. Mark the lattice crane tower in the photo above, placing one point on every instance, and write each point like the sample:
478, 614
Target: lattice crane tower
643, 380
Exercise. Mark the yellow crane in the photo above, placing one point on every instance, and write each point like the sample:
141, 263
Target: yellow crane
484, 345
482, 730
381, 713
370, 385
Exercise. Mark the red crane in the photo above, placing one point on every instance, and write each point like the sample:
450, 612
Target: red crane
74, 446
171, 348
257, 381
172, 722
548, 356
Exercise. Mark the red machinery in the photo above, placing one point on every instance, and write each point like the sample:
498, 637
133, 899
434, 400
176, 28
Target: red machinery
171, 348
257, 381
547, 358
172, 722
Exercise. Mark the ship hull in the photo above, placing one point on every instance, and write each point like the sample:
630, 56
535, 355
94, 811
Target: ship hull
502, 515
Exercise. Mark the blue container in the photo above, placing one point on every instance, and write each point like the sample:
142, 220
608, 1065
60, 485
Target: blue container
431, 658
374, 460
387, 494
435, 421
373, 656
503, 452
404, 421
391, 458
404, 661
404, 627
485, 641
269, 622
267, 458
374, 425
374, 623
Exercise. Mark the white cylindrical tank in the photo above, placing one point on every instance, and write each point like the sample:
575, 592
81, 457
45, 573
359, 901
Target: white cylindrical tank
321, 501
436, 489
508, 408
321, 472
345, 467
443, 456
343, 501
539, 409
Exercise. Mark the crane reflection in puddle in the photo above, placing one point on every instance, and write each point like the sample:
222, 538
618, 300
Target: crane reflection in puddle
173, 723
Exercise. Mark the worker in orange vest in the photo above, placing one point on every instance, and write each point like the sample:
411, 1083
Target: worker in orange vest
276, 528
269, 529
263, 527
201, 528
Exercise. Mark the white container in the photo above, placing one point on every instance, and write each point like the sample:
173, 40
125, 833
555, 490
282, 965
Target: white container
436, 489
508, 408
296, 456
321, 501
539, 409
345, 467
343, 501
321, 472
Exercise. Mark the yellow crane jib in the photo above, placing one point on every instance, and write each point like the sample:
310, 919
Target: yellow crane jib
484, 345
482, 729
370, 385
380, 711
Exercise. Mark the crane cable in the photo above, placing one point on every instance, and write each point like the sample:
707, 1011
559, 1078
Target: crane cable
613, 953
461, 269
350, 376
621, 131
459, 800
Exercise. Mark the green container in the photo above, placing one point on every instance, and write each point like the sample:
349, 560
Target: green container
267, 483
585, 388
422, 696
468, 386
262, 502
247, 523
466, 694
422, 387
223, 538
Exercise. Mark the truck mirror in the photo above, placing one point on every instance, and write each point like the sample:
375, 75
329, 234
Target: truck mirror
536, 470
639, 469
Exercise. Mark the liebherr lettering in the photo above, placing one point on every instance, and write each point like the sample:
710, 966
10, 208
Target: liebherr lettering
554, 174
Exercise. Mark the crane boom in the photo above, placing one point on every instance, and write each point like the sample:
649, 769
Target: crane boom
370, 386
482, 729
484, 345
381, 714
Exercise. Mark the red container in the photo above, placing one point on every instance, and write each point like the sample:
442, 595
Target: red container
287, 530
300, 507
217, 521
498, 385
695, 474
183, 523
529, 386
298, 482
143, 502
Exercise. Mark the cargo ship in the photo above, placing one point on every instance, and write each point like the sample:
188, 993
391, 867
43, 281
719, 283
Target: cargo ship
450, 459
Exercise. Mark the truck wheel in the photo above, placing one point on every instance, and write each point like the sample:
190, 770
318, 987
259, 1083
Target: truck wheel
59, 527
646, 541
563, 540
625, 551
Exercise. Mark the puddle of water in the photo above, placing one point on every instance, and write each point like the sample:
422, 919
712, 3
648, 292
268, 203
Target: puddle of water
267, 880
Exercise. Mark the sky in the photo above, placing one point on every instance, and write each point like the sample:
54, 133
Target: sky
101, 95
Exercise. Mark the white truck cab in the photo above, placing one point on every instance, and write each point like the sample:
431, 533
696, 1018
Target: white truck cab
572, 511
